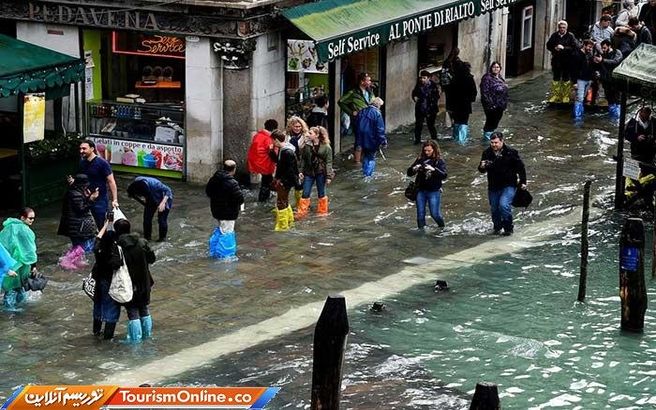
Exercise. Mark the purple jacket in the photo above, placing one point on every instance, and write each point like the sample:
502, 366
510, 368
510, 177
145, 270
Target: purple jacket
494, 92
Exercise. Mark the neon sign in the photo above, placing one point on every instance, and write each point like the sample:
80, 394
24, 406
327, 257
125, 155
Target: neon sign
148, 45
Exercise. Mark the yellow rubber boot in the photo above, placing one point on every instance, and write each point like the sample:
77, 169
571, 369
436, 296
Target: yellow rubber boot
554, 95
290, 216
282, 221
566, 91
302, 209
322, 207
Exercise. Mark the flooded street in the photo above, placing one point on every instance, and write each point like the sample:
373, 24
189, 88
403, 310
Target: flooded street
509, 318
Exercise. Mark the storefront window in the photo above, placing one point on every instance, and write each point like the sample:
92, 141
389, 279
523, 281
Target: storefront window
137, 120
307, 78
527, 28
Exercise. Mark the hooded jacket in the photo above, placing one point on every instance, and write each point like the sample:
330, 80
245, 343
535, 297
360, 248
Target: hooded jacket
20, 242
225, 196
287, 168
76, 218
258, 154
371, 128
138, 256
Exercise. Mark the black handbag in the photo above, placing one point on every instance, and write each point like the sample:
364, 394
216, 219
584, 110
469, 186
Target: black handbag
411, 191
522, 198
35, 282
89, 286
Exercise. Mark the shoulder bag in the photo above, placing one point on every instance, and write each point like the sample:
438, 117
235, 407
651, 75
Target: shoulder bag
121, 287
411, 191
89, 286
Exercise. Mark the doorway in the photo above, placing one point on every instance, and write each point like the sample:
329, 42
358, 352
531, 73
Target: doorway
520, 43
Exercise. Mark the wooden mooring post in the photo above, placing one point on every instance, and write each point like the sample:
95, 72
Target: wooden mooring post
633, 292
329, 344
584, 241
486, 397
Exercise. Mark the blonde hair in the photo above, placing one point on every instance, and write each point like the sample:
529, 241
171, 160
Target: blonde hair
293, 120
322, 133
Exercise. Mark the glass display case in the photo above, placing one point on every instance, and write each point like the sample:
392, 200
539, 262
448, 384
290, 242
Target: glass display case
149, 136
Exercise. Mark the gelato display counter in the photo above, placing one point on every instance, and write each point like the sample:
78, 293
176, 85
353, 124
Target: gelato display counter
146, 136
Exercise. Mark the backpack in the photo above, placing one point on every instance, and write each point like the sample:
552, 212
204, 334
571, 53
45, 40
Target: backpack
445, 77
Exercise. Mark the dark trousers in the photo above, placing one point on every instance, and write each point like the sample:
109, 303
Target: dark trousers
612, 96
492, 118
560, 69
460, 117
282, 200
136, 312
419, 124
162, 221
265, 188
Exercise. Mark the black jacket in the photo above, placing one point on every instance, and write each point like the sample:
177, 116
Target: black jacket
583, 65
287, 167
225, 196
76, 219
643, 151
504, 169
568, 41
610, 60
427, 98
463, 91
428, 180
138, 256
107, 257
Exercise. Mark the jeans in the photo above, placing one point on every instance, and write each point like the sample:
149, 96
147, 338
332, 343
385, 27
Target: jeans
582, 89
105, 308
368, 162
434, 199
492, 119
99, 211
501, 207
162, 221
308, 181
430, 123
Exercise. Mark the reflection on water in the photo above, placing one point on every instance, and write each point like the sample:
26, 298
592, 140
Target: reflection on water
511, 321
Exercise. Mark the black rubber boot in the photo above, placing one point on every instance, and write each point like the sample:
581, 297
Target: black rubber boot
97, 326
109, 330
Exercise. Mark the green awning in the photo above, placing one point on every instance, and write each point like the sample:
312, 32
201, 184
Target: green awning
26, 67
341, 27
636, 75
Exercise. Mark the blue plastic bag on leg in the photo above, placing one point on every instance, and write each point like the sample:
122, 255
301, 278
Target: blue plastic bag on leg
223, 245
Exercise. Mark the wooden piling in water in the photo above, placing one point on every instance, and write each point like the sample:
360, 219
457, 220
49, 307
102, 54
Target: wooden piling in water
584, 241
486, 397
329, 344
633, 292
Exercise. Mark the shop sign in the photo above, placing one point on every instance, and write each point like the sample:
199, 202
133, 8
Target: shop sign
302, 56
148, 45
398, 30
34, 117
487, 5
93, 16
142, 154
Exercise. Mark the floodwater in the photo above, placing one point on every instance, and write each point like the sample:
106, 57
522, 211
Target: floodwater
510, 318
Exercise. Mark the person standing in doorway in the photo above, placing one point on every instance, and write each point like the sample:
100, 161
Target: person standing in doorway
319, 115
505, 172
461, 99
561, 44
286, 178
100, 176
494, 98
352, 102
259, 161
426, 97
430, 169
155, 196
372, 134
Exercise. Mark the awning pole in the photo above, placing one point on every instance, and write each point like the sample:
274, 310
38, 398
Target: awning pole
619, 178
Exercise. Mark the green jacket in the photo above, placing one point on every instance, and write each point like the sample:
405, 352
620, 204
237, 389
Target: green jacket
317, 159
20, 242
354, 100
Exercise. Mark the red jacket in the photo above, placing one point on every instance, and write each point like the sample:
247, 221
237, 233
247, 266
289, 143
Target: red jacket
259, 161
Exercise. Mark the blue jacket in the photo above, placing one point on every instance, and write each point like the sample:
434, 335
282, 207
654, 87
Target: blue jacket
157, 190
371, 128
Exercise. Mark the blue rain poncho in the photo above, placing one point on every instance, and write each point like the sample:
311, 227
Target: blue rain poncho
6, 263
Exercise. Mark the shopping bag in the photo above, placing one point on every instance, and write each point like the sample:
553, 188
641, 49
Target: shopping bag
121, 287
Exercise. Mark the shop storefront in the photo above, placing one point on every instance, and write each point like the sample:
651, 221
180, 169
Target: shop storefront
38, 147
135, 92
